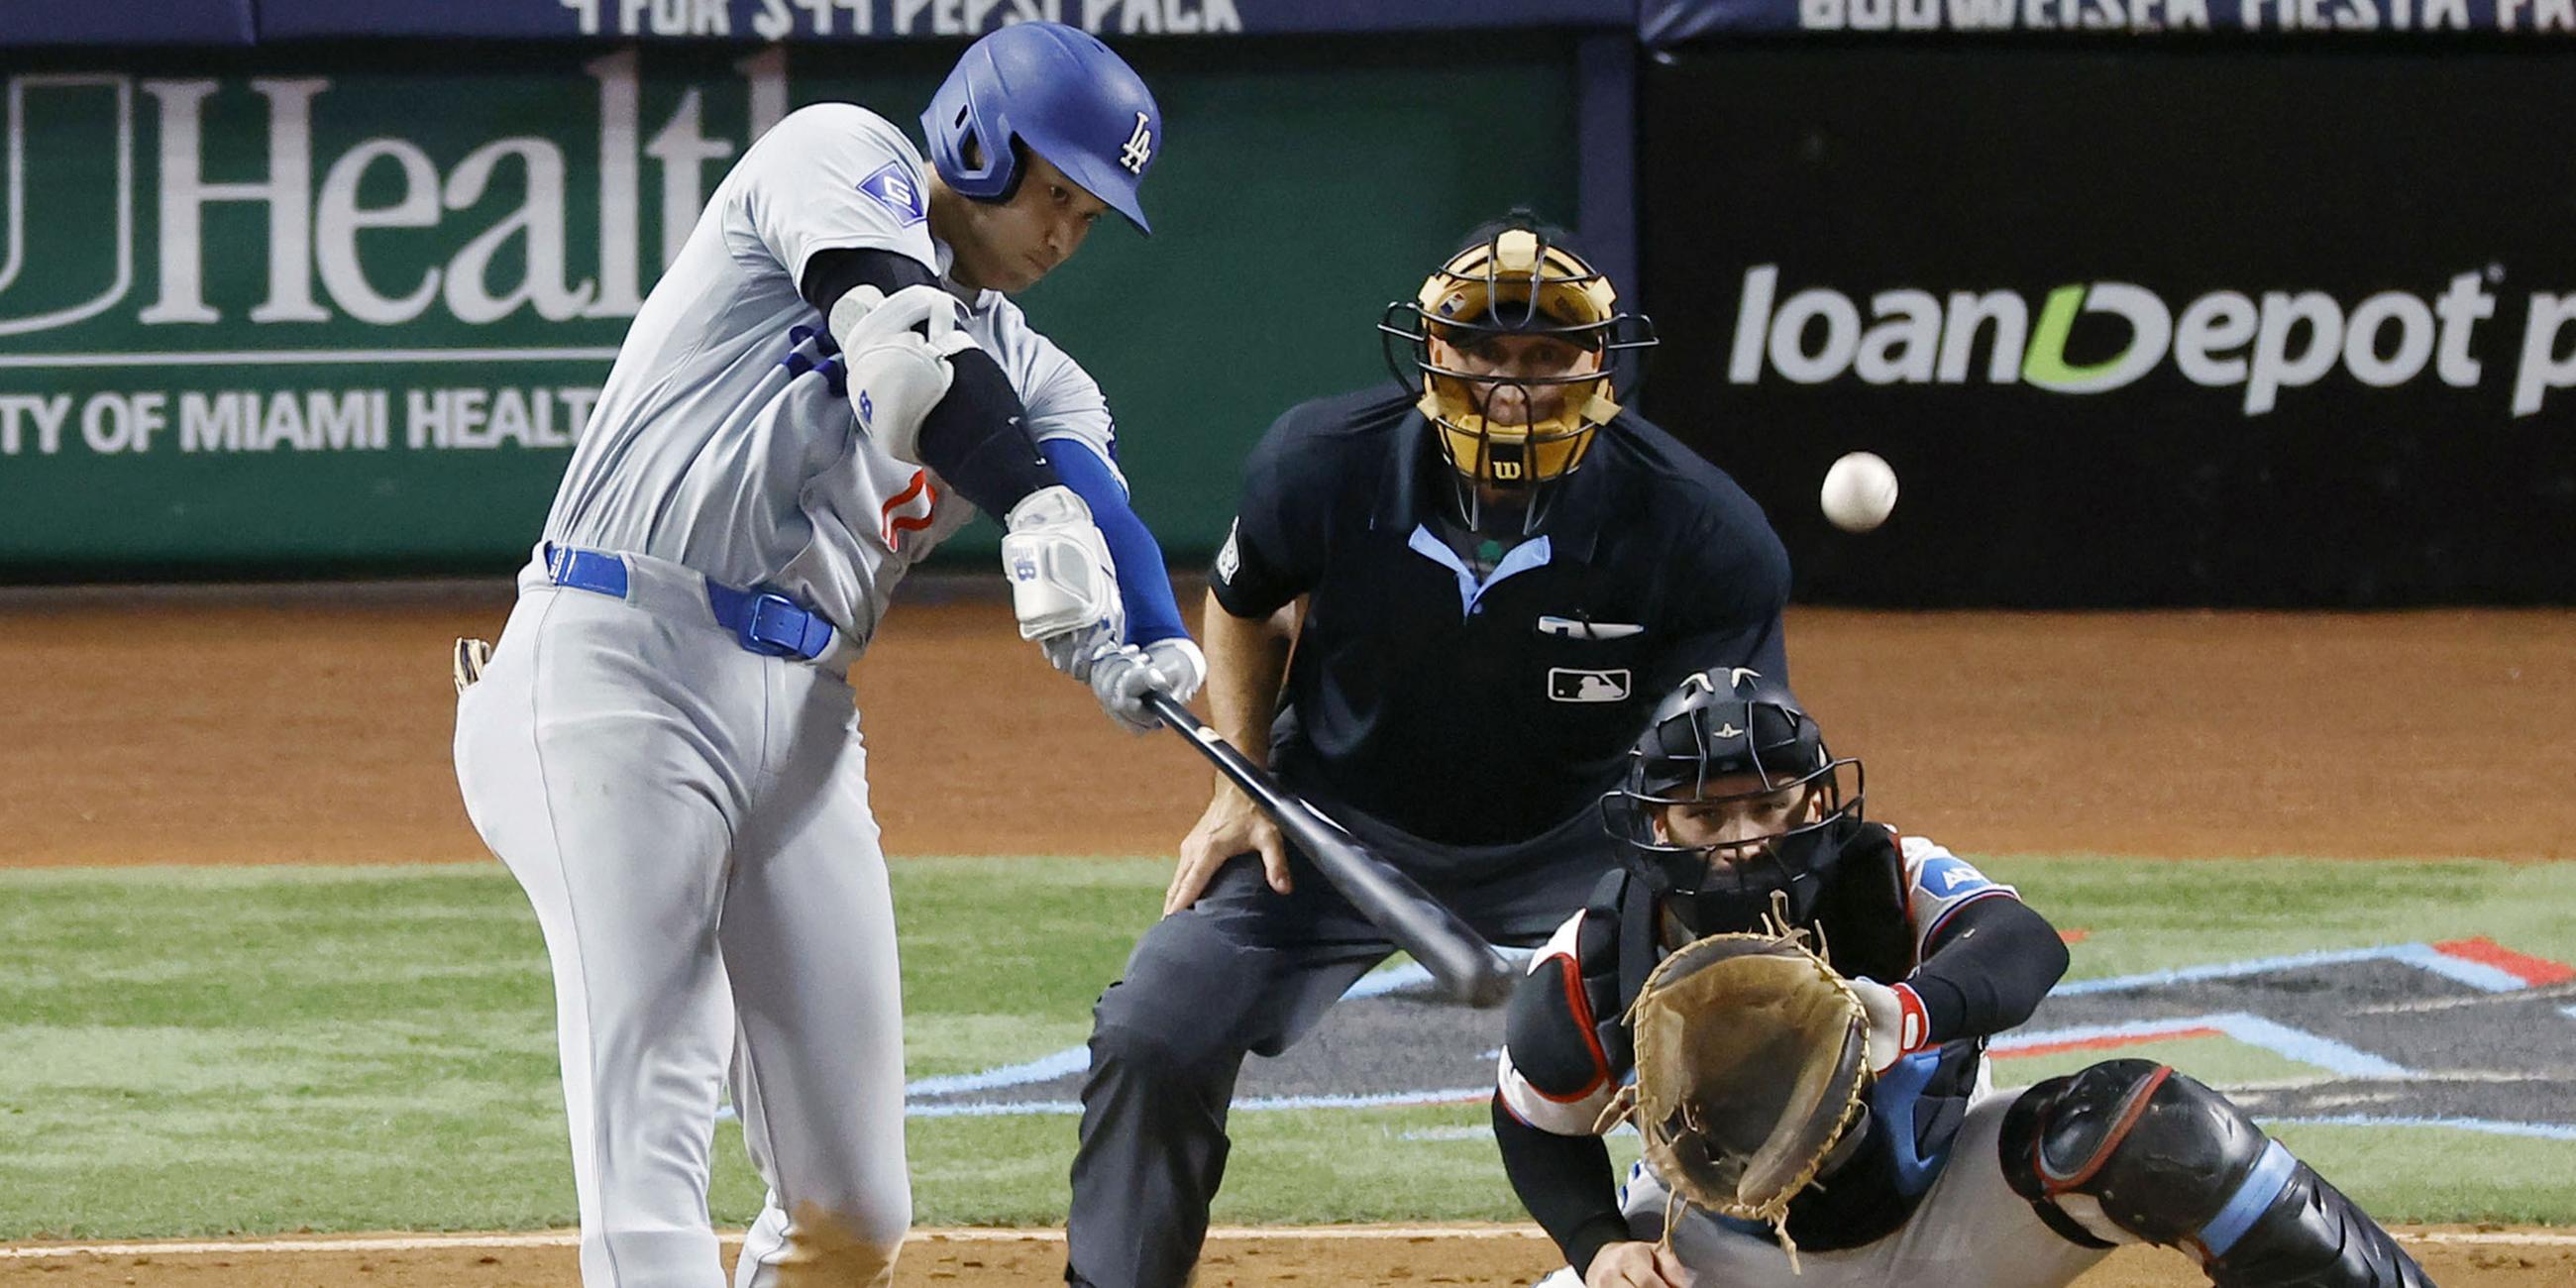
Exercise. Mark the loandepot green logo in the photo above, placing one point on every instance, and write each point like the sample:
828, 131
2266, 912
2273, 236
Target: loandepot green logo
2262, 344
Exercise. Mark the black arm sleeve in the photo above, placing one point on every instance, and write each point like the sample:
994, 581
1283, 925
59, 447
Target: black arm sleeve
1565, 1182
831, 274
1973, 985
977, 436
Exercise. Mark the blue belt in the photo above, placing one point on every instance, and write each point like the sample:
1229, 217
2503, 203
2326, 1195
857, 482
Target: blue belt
771, 625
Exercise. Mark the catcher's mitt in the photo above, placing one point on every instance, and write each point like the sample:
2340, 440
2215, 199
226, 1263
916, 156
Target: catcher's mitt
1751, 1056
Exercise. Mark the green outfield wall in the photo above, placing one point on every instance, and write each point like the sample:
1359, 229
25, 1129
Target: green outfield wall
297, 312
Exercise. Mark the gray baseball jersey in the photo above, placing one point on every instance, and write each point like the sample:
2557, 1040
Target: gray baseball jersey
723, 441
690, 818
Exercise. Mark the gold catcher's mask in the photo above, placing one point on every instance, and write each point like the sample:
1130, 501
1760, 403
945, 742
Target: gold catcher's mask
1514, 343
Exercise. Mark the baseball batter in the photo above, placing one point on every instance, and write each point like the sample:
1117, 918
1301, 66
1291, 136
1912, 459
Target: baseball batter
663, 748
1733, 811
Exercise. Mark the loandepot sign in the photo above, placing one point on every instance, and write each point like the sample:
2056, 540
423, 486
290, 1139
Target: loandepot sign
2262, 344
368, 263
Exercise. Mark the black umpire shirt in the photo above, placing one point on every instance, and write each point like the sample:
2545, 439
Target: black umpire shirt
1484, 711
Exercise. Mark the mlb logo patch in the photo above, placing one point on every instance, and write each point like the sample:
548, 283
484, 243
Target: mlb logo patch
1566, 684
893, 187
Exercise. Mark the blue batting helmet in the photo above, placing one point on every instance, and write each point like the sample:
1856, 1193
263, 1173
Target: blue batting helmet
1062, 93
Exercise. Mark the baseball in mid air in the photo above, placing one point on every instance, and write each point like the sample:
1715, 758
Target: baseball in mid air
1859, 491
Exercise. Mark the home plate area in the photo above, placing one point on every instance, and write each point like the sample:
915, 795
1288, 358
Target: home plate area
2465, 1034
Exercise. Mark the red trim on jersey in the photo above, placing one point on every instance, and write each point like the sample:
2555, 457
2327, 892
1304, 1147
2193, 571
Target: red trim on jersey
920, 481
894, 523
1573, 973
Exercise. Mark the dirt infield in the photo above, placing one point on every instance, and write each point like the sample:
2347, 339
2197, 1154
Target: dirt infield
311, 726
1495, 1259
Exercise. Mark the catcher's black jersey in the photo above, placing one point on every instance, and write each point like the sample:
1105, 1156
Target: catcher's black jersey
1567, 1050
1477, 708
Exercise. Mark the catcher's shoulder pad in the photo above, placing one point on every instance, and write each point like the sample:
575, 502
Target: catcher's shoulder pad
1615, 952
1566, 1025
1549, 1030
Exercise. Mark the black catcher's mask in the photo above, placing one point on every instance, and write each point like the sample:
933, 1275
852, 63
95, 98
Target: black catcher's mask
1726, 736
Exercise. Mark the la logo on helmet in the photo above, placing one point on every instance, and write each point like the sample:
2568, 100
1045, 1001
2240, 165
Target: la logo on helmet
1140, 147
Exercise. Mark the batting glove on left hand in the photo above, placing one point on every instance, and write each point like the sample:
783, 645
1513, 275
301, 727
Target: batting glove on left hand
1179, 667
1076, 652
1120, 679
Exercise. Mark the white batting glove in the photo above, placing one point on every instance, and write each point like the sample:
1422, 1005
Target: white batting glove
1120, 679
1064, 589
1897, 1025
1076, 652
1179, 667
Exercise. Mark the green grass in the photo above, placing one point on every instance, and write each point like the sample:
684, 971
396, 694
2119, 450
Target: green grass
2219, 1060
190, 1052
2432, 1174
2143, 915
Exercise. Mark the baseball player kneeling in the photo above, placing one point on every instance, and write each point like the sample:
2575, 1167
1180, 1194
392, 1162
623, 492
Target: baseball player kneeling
1804, 997
829, 381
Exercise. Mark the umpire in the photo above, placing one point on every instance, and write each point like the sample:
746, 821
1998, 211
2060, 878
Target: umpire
1502, 571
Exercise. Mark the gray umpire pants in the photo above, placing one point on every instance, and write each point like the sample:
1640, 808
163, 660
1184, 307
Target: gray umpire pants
1246, 969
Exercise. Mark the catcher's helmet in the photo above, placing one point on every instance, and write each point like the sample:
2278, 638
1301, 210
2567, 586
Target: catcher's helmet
1060, 92
1516, 276
1731, 729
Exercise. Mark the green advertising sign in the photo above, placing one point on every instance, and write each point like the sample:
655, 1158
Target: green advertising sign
329, 317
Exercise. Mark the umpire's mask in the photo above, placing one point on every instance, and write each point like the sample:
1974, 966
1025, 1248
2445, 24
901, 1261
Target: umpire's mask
1516, 344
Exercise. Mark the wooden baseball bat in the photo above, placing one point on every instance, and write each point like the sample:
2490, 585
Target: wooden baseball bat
1440, 939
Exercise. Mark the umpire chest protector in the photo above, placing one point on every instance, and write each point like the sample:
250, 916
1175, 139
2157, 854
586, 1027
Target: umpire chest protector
1481, 701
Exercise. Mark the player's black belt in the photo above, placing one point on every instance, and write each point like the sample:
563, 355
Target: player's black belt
763, 622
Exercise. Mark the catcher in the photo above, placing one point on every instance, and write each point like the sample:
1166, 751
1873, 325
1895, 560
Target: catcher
1826, 1118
